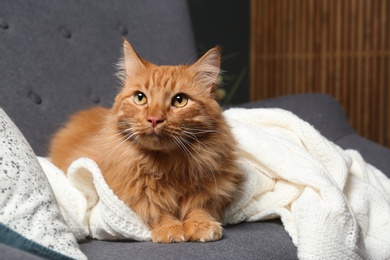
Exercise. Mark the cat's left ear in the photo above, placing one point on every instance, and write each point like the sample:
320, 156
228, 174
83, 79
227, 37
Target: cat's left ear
207, 69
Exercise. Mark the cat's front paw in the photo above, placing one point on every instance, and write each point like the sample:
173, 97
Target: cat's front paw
203, 230
168, 234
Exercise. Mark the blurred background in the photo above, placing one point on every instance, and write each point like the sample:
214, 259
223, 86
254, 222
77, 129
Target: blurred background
281, 47
225, 23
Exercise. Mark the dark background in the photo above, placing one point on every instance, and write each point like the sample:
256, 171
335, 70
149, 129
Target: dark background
225, 23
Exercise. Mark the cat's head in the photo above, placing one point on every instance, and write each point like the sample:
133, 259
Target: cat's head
167, 107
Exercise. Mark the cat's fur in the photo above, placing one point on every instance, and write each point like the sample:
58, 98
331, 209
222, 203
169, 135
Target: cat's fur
172, 162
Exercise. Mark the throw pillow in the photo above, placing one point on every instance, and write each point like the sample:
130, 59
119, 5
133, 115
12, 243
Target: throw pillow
27, 204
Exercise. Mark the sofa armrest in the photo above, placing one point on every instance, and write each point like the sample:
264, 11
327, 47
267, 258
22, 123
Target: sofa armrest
327, 115
322, 111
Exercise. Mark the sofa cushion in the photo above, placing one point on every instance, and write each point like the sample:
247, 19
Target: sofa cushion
8, 252
263, 240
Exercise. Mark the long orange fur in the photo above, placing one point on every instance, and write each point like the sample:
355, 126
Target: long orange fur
163, 148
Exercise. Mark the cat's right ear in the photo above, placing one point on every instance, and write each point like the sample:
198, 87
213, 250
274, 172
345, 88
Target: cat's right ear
130, 64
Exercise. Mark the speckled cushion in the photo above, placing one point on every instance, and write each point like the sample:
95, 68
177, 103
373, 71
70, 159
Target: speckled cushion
27, 204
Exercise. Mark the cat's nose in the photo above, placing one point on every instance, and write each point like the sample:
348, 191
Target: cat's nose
155, 120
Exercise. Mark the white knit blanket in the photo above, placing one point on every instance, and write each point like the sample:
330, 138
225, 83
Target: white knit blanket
331, 202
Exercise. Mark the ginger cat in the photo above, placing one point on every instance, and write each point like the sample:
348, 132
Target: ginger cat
163, 148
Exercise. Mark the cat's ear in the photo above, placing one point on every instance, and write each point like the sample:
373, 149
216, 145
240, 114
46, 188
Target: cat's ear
130, 63
207, 69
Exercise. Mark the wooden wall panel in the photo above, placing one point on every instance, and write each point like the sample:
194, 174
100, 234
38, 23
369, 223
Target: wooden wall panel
339, 47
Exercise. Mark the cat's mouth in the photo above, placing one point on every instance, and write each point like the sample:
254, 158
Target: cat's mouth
154, 135
154, 132
155, 141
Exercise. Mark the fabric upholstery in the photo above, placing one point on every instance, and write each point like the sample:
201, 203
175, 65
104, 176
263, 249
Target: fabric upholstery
8, 252
265, 240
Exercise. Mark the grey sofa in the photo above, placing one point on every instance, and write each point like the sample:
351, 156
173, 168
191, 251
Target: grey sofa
57, 57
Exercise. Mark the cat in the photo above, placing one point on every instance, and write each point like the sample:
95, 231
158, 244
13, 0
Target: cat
164, 147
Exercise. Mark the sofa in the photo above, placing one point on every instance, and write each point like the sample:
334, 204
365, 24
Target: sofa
57, 57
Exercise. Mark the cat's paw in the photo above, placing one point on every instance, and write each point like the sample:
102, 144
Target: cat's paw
203, 230
168, 234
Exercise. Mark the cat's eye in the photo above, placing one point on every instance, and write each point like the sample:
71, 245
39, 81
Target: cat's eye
139, 98
180, 100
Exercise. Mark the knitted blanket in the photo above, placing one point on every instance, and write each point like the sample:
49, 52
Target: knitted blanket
331, 202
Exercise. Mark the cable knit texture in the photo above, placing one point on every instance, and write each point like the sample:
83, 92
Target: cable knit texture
89, 206
331, 202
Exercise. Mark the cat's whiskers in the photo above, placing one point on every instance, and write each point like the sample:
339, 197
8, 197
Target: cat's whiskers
201, 144
125, 125
186, 151
205, 149
179, 141
190, 135
104, 129
184, 134
129, 146
200, 131
113, 149
114, 135
109, 127
197, 150
180, 145
128, 135
194, 138
188, 146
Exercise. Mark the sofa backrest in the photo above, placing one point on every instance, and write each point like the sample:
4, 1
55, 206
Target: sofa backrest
57, 57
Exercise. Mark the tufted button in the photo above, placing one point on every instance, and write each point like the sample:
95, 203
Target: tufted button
3, 24
122, 29
94, 98
35, 97
65, 33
